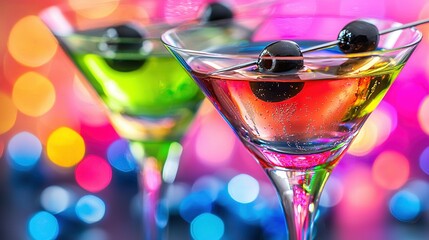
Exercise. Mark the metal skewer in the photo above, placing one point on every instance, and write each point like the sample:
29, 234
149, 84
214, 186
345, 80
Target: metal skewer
326, 45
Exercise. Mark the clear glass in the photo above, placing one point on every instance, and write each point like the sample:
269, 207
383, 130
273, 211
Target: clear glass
150, 99
298, 124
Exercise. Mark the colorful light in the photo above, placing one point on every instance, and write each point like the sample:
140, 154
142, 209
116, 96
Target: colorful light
33, 94
93, 173
91, 112
359, 8
423, 114
43, 226
65, 147
332, 193
120, 157
104, 8
94, 234
207, 226
365, 141
195, 204
208, 144
8, 113
243, 188
424, 160
31, 43
391, 170
405, 206
90, 209
24, 150
55, 199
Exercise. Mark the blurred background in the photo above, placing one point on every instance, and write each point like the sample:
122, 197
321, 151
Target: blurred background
380, 190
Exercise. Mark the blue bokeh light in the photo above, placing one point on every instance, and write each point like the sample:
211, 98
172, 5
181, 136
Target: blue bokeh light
24, 151
120, 157
405, 206
55, 199
43, 226
90, 209
243, 188
424, 160
207, 226
195, 204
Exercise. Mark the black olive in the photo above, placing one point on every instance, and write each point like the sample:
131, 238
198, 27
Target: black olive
216, 11
358, 36
267, 61
120, 40
275, 91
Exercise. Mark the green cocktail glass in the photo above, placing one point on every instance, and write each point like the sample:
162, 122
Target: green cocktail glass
151, 100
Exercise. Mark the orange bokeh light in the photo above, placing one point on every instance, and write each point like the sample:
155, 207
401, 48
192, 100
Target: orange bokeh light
31, 43
391, 170
33, 94
8, 113
86, 8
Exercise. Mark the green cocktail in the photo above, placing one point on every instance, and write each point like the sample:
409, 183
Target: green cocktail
148, 90
150, 98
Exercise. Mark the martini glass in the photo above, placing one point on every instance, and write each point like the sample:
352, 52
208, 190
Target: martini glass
150, 99
296, 124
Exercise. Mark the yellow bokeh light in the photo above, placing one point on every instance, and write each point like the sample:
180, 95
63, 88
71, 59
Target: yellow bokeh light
31, 43
423, 115
8, 113
365, 141
33, 94
65, 147
95, 8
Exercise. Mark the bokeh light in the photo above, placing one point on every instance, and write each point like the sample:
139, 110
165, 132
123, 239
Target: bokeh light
365, 141
424, 160
195, 204
120, 157
31, 43
90, 209
24, 150
55, 199
33, 94
423, 115
332, 193
65, 147
208, 144
91, 112
103, 10
93, 173
94, 234
1, 148
207, 226
391, 170
8, 113
358, 8
43, 226
405, 206
243, 188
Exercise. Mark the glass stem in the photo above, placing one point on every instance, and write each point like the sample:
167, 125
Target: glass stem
158, 167
299, 192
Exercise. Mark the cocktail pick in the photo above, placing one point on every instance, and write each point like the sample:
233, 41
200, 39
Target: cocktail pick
325, 45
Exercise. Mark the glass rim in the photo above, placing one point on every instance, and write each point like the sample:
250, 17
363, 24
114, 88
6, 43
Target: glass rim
152, 22
417, 37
